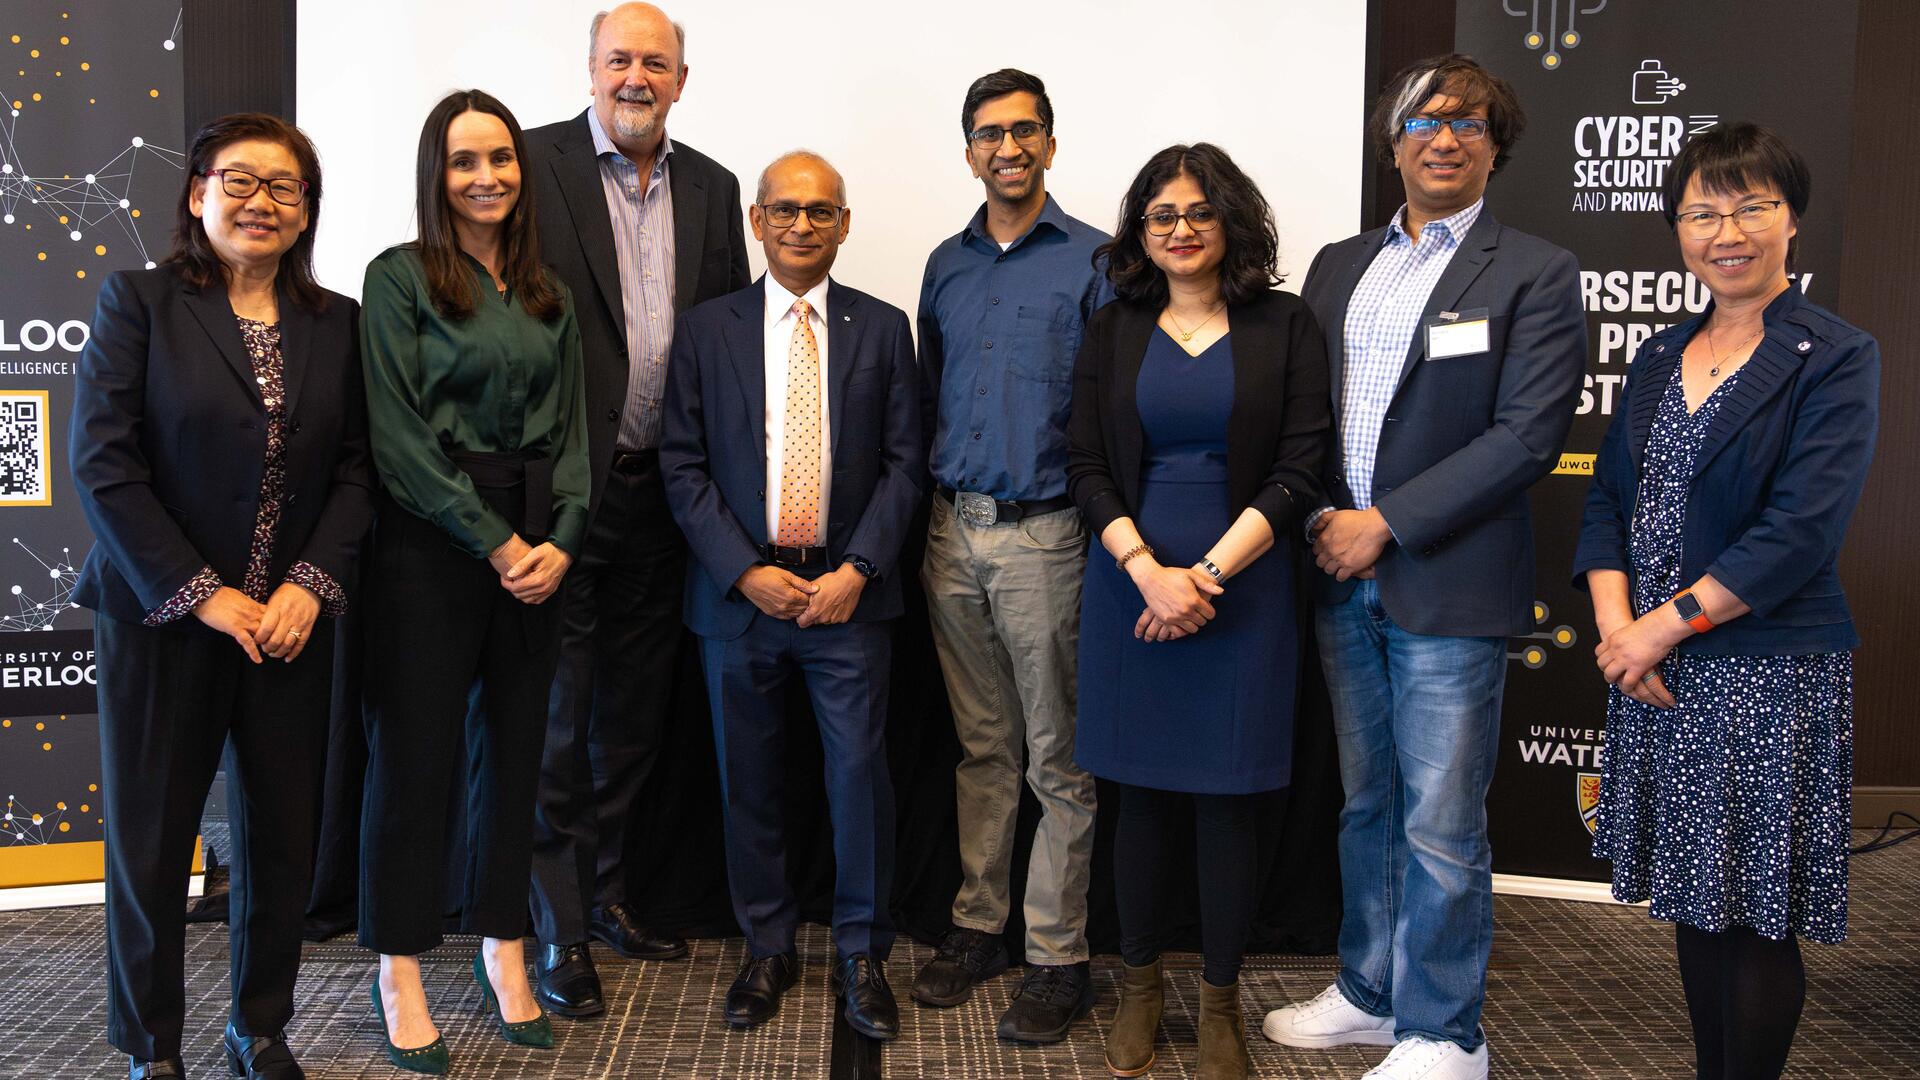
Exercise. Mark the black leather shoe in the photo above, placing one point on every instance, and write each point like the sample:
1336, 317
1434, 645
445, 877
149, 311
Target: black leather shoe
165, 1069
260, 1057
566, 982
866, 999
965, 957
614, 924
754, 996
1049, 1000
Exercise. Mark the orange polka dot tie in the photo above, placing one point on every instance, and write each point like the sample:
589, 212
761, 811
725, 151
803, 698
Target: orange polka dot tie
800, 438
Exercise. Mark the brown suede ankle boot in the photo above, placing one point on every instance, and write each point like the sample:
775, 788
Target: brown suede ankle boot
1223, 1033
1130, 1040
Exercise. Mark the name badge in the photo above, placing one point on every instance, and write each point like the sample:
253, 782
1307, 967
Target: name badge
1457, 333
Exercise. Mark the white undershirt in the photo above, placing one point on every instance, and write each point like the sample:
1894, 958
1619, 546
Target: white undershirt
779, 323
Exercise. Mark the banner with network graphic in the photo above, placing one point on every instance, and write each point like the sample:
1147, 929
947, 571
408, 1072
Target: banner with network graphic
90, 170
1612, 90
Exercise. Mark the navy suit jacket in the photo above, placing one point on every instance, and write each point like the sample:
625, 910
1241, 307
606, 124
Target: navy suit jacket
714, 457
1464, 437
1775, 479
170, 438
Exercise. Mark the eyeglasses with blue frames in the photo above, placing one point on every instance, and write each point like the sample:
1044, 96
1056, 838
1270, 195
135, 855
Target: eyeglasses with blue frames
1026, 133
1754, 217
1424, 128
284, 190
784, 215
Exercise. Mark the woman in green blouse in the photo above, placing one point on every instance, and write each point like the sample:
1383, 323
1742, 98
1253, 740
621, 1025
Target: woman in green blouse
476, 403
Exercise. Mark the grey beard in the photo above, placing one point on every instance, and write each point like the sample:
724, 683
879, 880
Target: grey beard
631, 122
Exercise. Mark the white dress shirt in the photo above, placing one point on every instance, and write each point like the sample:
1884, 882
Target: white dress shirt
779, 322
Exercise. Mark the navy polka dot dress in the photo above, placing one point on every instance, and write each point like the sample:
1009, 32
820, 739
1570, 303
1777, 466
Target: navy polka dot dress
1732, 808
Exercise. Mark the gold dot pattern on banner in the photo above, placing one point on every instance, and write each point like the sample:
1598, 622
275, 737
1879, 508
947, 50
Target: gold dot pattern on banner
93, 787
35, 53
46, 746
153, 93
40, 726
99, 249
84, 66
66, 826
800, 438
6, 723
80, 274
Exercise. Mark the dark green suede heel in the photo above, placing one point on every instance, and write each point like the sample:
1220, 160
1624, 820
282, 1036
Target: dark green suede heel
535, 1032
430, 1059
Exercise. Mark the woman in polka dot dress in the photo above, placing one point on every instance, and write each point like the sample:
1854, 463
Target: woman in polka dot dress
1712, 530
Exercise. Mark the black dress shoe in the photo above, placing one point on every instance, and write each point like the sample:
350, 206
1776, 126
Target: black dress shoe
164, 1069
1049, 1000
755, 994
615, 925
260, 1057
866, 1000
566, 981
965, 957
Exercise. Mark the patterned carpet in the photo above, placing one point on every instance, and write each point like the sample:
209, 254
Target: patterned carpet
1576, 990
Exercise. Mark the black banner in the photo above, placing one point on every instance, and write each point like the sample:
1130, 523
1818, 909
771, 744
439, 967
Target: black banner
1612, 89
90, 170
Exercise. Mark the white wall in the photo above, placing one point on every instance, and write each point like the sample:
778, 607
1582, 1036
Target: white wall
876, 87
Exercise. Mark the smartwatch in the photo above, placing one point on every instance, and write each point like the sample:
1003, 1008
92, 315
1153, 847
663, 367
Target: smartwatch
862, 567
1690, 612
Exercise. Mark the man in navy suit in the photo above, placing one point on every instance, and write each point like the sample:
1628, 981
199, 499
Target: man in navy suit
793, 462
1456, 349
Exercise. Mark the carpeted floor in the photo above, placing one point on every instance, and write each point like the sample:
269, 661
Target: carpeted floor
1576, 990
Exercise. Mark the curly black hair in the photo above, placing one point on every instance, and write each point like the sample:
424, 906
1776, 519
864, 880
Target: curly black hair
1253, 246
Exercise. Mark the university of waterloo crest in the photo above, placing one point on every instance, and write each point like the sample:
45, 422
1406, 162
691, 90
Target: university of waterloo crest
1587, 796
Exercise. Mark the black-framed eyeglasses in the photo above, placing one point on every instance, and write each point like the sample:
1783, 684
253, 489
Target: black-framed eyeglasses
1424, 128
783, 215
284, 190
1751, 218
1163, 222
1026, 133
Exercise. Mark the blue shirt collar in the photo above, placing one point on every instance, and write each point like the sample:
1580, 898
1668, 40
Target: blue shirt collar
602, 145
1455, 227
1050, 214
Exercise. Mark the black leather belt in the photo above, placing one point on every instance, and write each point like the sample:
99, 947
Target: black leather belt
794, 558
972, 506
633, 461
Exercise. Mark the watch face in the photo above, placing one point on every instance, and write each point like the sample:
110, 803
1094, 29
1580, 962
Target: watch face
1687, 605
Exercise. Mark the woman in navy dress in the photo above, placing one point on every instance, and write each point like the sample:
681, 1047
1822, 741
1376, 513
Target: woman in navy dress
1200, 417
1721, 497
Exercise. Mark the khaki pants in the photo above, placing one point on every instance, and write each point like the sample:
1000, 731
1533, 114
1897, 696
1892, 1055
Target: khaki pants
1005, 605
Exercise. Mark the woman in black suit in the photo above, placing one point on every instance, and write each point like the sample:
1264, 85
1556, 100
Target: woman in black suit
220, 450
1200, 417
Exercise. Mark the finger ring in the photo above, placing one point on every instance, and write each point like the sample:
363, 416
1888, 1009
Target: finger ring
294, 634
1648, 677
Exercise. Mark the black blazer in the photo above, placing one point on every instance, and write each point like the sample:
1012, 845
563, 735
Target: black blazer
170, 439
576, 241
1276, 433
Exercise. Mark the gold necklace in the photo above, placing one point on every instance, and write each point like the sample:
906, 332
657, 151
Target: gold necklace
1187, 335
1714, 371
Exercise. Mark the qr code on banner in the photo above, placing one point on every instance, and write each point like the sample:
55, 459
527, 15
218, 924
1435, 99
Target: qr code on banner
23, 448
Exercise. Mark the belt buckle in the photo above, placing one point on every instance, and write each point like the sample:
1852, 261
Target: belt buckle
976, 509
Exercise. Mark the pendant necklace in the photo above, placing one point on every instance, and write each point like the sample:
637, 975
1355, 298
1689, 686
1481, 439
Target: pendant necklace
1714, 371
1187, 335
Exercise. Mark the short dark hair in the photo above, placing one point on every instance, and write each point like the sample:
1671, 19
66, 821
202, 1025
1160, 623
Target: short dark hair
1458, 76
1253, 245
193, 257
1000, 84
449, 279
1736, 157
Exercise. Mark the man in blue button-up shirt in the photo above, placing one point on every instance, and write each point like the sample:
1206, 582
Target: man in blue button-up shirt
1001, 311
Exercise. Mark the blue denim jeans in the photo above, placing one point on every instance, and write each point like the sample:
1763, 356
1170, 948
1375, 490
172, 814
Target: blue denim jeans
1417, 718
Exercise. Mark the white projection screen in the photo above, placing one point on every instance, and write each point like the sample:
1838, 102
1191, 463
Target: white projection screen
875, 86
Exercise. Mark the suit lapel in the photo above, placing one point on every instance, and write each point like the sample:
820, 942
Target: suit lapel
747, 348
843, 327
576, 173
214, 313
1773, 365
1350, 272
689, 190
296, 347
1476, 250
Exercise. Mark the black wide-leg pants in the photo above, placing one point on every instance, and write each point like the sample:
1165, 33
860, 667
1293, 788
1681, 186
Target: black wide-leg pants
440, 632
170, 698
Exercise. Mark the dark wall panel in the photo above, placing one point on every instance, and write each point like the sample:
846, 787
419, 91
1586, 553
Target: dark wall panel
239, 58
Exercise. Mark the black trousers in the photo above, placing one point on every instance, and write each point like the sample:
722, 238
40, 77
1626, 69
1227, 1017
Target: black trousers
170, 699
1153, 828
442, 634
606, 718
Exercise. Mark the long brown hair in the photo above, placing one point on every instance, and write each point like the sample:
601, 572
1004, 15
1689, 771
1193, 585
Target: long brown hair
449, 278
193, 257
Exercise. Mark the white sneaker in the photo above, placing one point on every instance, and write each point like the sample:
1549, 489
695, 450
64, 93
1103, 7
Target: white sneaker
1327, 1020
1418, 1058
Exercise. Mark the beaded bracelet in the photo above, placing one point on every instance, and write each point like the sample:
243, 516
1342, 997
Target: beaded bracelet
1139, 549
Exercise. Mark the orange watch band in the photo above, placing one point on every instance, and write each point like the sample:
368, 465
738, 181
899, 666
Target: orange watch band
1688, 607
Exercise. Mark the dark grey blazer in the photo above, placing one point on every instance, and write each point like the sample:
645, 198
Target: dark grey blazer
1464, 437
576, 240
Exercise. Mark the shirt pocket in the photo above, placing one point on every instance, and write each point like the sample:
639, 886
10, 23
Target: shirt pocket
1045, 340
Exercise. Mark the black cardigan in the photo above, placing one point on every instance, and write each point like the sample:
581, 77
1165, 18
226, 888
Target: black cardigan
1277, 433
